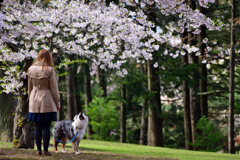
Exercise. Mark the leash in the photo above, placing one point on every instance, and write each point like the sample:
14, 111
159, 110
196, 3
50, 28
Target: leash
64, 142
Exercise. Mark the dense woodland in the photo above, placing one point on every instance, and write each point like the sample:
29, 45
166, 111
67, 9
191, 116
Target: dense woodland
186, 96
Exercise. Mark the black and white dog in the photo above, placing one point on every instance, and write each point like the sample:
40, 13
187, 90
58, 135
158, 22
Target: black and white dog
66, 131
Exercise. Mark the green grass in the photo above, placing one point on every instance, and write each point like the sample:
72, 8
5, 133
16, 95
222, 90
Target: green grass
102, 147
149, 151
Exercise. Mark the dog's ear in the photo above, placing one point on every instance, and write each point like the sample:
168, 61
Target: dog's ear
75, 117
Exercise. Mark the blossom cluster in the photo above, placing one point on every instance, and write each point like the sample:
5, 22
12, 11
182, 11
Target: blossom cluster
189, 19
106, 35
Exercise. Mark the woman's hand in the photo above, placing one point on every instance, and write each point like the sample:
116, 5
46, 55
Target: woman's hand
58, 108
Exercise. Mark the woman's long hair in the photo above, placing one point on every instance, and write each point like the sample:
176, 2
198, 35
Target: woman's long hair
45, 56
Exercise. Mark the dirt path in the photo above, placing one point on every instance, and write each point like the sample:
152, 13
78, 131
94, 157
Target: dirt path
29, 154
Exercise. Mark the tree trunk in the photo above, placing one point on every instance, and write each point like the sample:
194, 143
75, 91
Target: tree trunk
231, 148
88, 96
195, 109
23, 131
7, 107
186, 102
123, 115
203, 69
155, 134
77, 96
70, 97
143, 132
102, 82
60, 112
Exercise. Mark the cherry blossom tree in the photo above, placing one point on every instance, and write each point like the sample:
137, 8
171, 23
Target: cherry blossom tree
92, 31
28, 27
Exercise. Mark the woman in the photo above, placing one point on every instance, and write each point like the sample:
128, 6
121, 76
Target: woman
44, 100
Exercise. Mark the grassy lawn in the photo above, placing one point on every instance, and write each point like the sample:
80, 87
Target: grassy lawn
131, 149
92, 149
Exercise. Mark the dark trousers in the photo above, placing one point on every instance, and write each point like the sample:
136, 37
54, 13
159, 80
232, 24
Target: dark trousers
42, 132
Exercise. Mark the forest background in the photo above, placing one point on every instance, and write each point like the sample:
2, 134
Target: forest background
158, 73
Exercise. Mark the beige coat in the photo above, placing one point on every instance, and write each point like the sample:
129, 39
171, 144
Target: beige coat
42, 89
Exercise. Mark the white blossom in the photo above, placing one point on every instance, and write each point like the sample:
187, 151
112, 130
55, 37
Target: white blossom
155, 65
